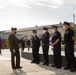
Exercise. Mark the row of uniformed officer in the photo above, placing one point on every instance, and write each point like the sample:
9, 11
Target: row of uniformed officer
69, 39
45, 46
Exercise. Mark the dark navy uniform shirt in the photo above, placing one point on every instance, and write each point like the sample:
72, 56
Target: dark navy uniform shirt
57, 35
45, 38
22, 43
69, 33
35, 41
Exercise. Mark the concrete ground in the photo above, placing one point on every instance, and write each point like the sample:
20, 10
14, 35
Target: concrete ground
28, 68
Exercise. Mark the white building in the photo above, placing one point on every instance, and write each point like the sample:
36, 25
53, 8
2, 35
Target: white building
27, 32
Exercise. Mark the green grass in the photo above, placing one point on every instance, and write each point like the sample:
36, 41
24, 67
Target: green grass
63, 46
75, 46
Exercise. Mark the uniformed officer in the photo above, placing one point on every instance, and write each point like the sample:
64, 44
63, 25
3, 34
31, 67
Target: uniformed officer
22, 43
69, 39
56, 44
35, 47
28, 42
45, 45
14, 48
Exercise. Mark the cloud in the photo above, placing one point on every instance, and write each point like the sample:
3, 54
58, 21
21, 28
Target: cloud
53, 6
3, 4
57, 2
26, 3
50, 3
17, 13
19, 3
39, 3
71, 2
2, 7
46, 5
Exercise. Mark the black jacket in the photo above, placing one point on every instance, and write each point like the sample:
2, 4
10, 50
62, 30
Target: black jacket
45, 38
57, 35
69, 33
36, 41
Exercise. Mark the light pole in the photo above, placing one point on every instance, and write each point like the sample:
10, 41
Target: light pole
74, 18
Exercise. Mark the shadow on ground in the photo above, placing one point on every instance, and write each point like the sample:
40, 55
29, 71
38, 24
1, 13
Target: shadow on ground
18, 72
56, 71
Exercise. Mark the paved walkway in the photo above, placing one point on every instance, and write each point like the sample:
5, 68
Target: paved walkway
28, 68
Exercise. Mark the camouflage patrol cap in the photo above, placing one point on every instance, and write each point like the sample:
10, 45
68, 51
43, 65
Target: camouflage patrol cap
13, 28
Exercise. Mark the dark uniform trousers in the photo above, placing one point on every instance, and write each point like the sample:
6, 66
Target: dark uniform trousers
35, 52
23, 47
45, 53
57, 55
69, 54
17, 62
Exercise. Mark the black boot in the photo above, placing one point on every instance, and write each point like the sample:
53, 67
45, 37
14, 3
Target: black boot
47, 64
33, 61
67, 67
73, 69
53, 65
58, 67
44, 63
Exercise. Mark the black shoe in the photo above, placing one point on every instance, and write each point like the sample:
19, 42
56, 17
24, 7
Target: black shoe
33, 62
72, 70
18, 67
66, 68
58, 67
37, 62
44, 64
47, 64
53, 65
14, 68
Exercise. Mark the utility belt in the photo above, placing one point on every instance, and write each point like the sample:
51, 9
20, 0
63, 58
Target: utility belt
69, 43
45, 44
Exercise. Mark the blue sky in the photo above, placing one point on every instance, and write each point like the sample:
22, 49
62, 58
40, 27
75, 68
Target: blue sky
28, 13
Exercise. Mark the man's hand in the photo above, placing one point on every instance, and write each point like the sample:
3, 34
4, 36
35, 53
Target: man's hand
55, 42
73, 38
14, 51
52, 45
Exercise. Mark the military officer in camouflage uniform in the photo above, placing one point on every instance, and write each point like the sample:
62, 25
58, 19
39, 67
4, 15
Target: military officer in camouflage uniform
14, 48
